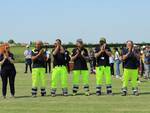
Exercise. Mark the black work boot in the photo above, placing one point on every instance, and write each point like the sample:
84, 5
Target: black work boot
135, 91
124, 92
109, 90
98, 90
65, 91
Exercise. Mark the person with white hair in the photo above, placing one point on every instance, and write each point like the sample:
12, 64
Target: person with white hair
38, 72
28, 61
80, 57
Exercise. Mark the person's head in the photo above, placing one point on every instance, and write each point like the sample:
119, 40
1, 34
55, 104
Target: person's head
79, 43
102, 41
116, 49
4, 47
146, 47
58, 42
129, 44
46, 47
38, 44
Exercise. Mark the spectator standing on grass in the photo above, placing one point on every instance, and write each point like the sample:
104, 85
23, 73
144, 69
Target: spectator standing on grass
147, 62
38, 71
80, 57
92, 61
48, 60
28, 60
141, 63
8, 70
102, 54
117, 62
131, 64
112, 61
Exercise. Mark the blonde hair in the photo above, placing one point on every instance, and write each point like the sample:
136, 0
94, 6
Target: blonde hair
2, 47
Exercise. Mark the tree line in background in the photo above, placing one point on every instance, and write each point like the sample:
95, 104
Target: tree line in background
70, 44
19, 48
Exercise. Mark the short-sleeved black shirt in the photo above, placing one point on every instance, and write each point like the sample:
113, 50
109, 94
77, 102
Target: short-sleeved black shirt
103, 59
131, 62
7, 65
80, 63
60, 59
40, 61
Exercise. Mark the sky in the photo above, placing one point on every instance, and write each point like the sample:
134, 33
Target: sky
47, 20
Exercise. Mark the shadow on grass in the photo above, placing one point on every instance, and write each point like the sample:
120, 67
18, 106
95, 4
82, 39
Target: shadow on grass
79, 94
19, 97
145, 93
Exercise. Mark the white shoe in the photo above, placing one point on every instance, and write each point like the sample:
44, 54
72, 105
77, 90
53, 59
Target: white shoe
117, 76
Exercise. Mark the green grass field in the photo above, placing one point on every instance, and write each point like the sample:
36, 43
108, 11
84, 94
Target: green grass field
24, 103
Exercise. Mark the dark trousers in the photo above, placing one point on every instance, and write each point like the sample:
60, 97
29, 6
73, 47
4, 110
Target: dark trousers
48, 66
26, 68
8, 75
28, 63
112, 68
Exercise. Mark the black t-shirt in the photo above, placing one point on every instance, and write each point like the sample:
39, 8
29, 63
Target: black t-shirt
40, 61
131, 62
80, 62
103, 59
60, 59
7, 65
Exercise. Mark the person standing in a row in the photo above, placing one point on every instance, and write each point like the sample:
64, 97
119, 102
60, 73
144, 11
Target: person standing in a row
59, 69
102, 54
8, 70
131, 64
80, 57
38, 71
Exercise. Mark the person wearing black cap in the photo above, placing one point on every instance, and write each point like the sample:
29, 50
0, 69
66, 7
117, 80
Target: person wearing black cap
59, 70
80, 57
102, 54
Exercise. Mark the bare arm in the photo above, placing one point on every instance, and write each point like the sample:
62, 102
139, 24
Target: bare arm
86, 57
39, 54
75, 56
124, 57
108, 53
56, 50
102, 50
62, 50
